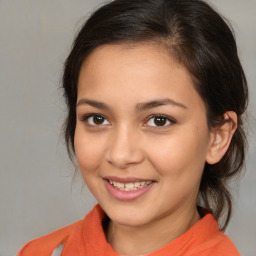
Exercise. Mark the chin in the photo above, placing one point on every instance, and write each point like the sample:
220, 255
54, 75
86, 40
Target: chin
129, 221
128, 216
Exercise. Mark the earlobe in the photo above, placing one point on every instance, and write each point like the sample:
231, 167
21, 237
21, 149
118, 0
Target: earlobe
221, 138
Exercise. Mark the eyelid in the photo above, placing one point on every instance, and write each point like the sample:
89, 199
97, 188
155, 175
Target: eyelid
84, 118
171, 120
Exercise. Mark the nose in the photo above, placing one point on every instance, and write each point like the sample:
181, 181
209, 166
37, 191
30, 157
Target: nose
125, 148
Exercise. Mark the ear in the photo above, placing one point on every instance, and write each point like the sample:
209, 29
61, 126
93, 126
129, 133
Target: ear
221, 138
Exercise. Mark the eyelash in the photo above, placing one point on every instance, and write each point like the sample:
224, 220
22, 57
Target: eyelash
167, 118
87, 116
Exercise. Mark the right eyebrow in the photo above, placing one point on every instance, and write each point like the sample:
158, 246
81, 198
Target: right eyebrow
93, 103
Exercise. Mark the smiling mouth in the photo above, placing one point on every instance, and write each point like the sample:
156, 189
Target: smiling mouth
130, 186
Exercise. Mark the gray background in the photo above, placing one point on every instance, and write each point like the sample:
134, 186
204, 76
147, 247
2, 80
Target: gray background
36, 194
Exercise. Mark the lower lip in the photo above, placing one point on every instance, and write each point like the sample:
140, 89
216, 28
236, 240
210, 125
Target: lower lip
127, 195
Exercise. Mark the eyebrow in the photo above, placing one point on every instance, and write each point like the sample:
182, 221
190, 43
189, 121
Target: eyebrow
139, 107
157, 103
93, 103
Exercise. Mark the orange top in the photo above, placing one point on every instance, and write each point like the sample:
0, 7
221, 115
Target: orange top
86, 238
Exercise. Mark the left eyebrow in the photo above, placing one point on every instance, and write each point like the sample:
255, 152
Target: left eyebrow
157, 103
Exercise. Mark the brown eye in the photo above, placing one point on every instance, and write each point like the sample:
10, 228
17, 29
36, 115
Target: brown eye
160, 121
98, 120
95, 120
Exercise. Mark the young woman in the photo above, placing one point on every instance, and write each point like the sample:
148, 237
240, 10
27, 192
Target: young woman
156, 95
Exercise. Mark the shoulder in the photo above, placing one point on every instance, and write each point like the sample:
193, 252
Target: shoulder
210, 241
46, 244
223, 245
73, 237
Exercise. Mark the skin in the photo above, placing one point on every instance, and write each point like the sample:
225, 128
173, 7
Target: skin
129, 143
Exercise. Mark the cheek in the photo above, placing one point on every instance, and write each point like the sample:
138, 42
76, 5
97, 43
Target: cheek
182, 153
88, 150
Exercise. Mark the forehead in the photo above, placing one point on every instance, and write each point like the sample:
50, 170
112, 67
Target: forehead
141, 72
125, 55
122, 59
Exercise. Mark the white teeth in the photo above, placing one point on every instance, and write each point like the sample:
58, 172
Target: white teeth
137, 184
130, 186
117, 184
143, 183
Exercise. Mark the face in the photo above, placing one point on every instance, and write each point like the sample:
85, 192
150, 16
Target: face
141, 137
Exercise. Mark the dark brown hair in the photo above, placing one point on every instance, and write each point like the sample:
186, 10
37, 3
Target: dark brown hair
199, 38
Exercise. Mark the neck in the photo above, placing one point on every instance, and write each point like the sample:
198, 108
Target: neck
139, 240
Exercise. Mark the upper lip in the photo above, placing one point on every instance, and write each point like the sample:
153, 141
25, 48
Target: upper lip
126, 179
